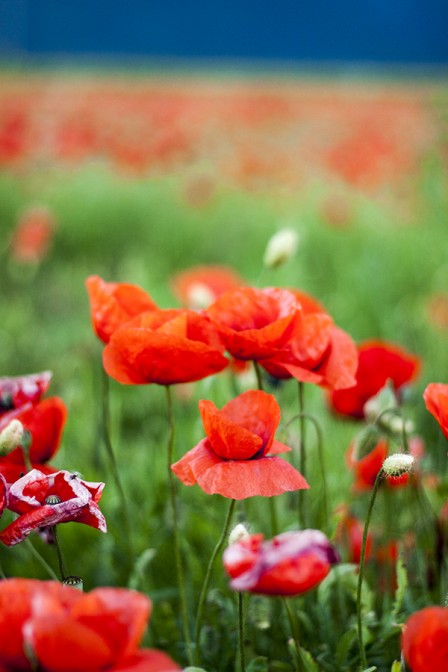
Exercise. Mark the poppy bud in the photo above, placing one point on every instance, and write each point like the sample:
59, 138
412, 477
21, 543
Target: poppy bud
238, 533
398, 465
74, 582
281, 247
11, 437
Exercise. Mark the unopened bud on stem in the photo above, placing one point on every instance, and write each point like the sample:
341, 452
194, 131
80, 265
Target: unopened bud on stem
281, 247
11, 437
398, 465
238, 533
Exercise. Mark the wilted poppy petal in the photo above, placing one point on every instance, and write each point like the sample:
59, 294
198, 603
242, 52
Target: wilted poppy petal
19, 390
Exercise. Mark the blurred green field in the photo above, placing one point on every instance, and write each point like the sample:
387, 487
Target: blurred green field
376, 271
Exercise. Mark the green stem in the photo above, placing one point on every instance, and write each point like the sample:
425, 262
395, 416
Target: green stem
302, 464
361, 569
241, 632
258, 374
177, 553
293, 625
59, 553
207, 578
35, 553
113, 462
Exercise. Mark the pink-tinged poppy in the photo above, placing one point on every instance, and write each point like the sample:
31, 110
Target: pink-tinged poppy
349, 535
3, 494
199, 286
17, 391
436, 401
44, 500
164, 347
289, 564
255, 323
45, 422
31, 238
378, 362
112, 304
425, 640
70, 631
237, 459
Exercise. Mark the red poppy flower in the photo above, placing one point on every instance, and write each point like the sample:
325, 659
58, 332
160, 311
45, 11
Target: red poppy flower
349, 533
436, 401
425, 640
233, 460
378, 363
17, 391
70, 631
164, 347
45, 500
255, 323
199, 286
32, 237
289, 564
112, 304
45, 421
366, 469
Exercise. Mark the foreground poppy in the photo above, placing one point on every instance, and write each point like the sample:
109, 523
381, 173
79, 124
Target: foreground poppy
164, 347
68, 631
290, 564
199, 286
378, 363
436, 401
255, 323
234, 461
425, 640
45, 422
112, 304
19, 390
46, 500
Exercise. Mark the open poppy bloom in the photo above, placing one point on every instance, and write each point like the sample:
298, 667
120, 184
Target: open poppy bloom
436, 401
255, 323
237, 459
19, 390
425, 640
199, 286
378, 362
290, 564
317, 352
45, 500
164, 347
45, 422
67, 630
112, 304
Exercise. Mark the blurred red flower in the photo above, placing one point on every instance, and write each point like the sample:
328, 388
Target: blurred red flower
45, 421
349, 534
233, 460
199, 286
32, 237
289, 564
378, 363
68, 631
112, 304
17, 391
425, 640
44, 500
164, 347
436, 401
365, 469
255, 323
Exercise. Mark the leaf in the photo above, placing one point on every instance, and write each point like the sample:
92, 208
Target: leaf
259, 664
402, 584
308, 662
140, 565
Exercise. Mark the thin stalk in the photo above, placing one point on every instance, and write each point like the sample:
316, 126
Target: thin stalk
258, 374
361, 569
113, 462
293, 625
177, 553
2, 573
241, 632
208, 574
302, 464
59, 553
35, 553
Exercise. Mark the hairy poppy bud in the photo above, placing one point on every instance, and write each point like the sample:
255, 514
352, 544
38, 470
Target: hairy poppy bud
398, 464
281, 247
11, 437
74, 582
238, 533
